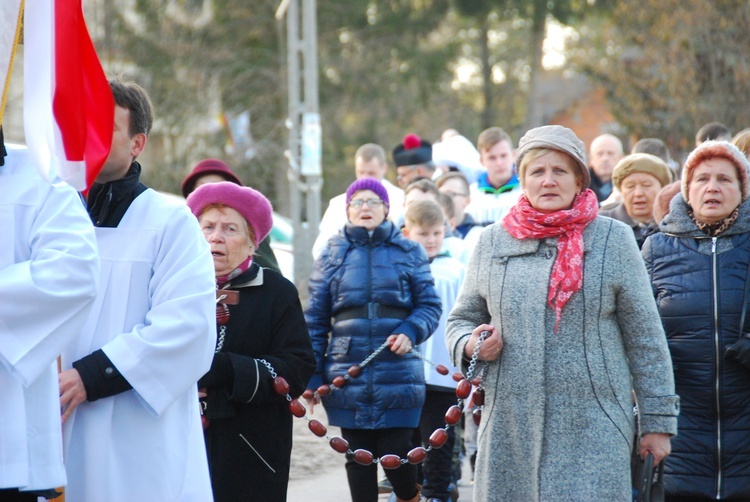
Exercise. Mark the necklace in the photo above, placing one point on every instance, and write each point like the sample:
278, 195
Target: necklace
474, 378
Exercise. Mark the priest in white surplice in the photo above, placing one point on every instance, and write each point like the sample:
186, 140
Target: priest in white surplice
48, 273
132, 425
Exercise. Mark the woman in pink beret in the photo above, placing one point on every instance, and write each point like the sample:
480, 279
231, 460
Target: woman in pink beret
248, 427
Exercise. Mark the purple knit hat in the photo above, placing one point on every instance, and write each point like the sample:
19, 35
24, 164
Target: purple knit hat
207, 166
368, 184
250, 203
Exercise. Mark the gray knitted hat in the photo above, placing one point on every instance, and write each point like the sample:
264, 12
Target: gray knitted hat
554, 137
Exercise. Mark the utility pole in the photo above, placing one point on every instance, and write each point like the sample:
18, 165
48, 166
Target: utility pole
303, 122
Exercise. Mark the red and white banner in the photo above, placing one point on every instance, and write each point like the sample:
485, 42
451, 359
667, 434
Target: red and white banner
68, 105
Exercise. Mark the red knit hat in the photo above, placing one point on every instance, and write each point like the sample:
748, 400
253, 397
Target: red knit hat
208, 166
250, 203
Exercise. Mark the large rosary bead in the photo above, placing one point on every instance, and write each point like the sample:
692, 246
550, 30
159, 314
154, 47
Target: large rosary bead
457, 376
324, 390
463, 389
438, 438
280, 386
477, 416
442, 369
354, 371
341, 445
478, 396
390, 461
363, 457
317, 428
339, 381
417, 455
297, 409
308, 394
453, 415
222, 314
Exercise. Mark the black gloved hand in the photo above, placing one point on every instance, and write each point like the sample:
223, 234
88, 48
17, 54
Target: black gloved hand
739, 352
220, 374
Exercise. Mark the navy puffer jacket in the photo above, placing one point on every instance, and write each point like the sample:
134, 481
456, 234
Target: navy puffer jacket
699, 284
385, 269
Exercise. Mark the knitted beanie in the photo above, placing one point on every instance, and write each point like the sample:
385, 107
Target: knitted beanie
250, 203
368, 184
712, 150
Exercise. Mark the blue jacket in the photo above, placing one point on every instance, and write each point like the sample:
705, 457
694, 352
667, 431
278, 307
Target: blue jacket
699, 283
356, 269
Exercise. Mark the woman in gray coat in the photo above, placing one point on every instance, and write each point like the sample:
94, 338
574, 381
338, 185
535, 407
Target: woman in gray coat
573, 332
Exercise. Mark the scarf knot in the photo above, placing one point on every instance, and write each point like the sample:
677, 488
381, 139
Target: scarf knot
223, 280
525, 222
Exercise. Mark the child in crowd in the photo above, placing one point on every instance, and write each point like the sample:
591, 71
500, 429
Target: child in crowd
425, 223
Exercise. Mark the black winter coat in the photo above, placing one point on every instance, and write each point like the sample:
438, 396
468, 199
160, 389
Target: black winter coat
699, 285
268, 324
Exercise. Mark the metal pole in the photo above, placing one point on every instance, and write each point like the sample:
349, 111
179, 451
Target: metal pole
303, 122
292, 123
312, 165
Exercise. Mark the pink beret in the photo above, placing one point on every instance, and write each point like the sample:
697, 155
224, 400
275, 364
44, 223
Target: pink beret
250, 203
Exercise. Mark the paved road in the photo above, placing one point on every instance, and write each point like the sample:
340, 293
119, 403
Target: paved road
318, 474
331, 486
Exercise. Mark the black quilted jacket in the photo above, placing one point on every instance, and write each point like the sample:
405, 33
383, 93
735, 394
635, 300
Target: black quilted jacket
699, 284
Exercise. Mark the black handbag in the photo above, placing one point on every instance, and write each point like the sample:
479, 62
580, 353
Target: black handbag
648, 480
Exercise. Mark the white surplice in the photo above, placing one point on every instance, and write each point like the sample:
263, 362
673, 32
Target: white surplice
448, 274
48, 274
155, 319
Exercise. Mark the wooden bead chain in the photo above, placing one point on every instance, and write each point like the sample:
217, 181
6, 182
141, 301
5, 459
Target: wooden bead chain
390, 461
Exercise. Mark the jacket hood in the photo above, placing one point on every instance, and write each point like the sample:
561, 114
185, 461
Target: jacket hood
678, 221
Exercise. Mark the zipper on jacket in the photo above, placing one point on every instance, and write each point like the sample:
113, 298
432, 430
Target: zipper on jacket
717, 355
371, 321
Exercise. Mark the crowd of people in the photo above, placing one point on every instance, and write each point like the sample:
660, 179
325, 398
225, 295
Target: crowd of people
603, 303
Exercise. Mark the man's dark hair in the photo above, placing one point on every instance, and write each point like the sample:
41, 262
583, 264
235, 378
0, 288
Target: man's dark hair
133, 97
713, 131
654, 146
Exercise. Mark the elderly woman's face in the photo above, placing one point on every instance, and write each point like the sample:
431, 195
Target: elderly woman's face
714, 190
550, 182
366, 215
638, 195
226, 232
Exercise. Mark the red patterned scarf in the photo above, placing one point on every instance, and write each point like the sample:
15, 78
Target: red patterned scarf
525, 222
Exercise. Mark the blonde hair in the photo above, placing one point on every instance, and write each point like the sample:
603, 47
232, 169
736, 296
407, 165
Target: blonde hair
742, 141
424, 213
492, 136
535, 153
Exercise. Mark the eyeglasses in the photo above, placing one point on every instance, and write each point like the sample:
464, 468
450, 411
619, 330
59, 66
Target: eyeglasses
371, 203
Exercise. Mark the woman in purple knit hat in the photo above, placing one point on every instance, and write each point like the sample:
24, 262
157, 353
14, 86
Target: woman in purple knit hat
371, 286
